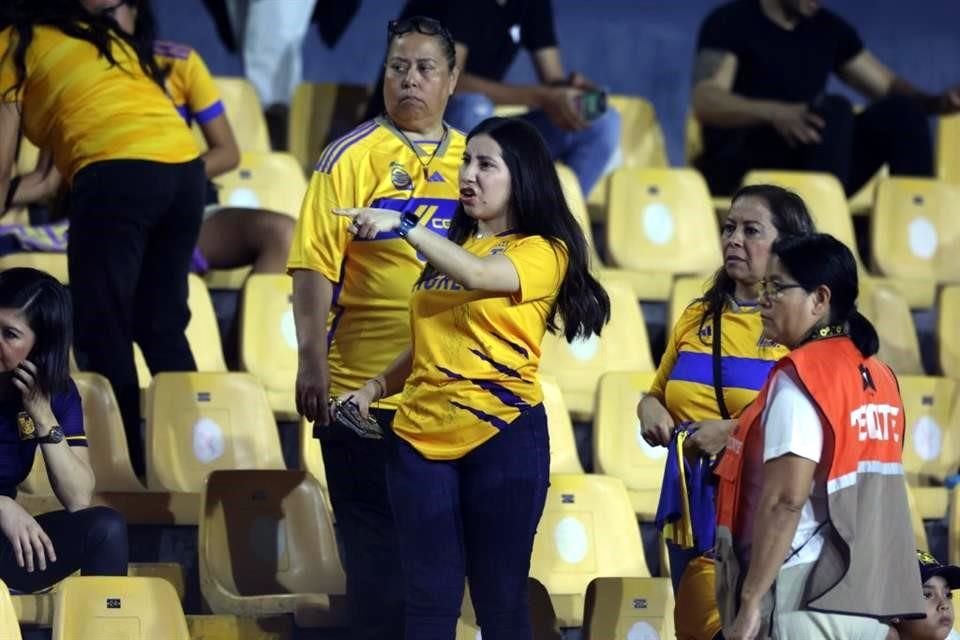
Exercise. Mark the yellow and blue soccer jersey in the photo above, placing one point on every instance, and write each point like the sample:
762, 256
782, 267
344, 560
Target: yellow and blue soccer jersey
475, 353
189, 83
85, 110
373, 166
684, 381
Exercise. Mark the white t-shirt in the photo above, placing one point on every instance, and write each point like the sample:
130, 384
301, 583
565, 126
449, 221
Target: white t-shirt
791, 424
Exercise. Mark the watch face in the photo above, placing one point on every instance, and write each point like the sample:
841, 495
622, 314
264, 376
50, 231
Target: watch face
55, 435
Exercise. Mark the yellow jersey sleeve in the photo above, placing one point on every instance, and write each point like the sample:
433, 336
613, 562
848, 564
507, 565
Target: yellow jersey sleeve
541, 265
203, 96
320, 238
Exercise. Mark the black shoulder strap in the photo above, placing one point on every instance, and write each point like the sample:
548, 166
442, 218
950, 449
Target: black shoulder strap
717, 369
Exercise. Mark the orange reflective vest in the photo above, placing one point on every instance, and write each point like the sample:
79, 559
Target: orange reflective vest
868, 564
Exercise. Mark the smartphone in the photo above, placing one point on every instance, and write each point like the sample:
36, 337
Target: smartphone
592, 104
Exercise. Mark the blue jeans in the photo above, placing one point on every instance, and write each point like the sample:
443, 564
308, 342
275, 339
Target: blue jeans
587, 152
472, 517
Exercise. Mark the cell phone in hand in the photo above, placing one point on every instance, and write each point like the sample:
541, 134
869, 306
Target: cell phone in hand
592, 104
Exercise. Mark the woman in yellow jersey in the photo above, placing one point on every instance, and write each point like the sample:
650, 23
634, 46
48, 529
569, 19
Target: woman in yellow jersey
351, 296
95, 97
468, 459
685, 390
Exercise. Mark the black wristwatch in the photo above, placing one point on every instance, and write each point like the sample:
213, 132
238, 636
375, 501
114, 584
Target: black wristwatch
407, 221
53, 437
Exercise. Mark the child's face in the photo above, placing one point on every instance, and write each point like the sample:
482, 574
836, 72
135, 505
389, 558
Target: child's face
938, 601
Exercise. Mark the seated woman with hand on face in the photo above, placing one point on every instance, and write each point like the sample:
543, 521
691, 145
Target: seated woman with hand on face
40, 407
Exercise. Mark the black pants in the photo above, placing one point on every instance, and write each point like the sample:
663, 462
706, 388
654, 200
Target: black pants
93, 540
133, 227
356, 478
892, 131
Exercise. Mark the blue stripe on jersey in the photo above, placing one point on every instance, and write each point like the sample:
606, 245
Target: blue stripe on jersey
171, 50
184, 112
333, 152
739, 373
213, 111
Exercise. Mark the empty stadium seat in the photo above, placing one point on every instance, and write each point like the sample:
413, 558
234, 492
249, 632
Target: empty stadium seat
930, 452
203, 334
628, 608
319, 113
948, 148
914, 229
661, 223
266, 546
890, 314
588, 530
53, 263
131, 608
106, 439
916, 522
641, 145
563, 446
268, 339
270, 181
201, 422
948, 336
618, 448
245, 113
9, 626
827, 203
686, 289
578, 365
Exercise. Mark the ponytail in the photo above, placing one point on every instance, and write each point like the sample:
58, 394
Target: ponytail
863, 334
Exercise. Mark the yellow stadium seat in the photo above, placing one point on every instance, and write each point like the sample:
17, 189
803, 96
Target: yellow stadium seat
686, 289
319, 112
201, 422
225, 627
916, 522
563, 445
268, 339
825, 199
203, 334
953, 529
948, 148
588, 530
890, 315
641, 145
311, 456
578, 365
914, 229
618, 448
628, 608
131, 608
107, 442
948, 338
53, 263
270, 181
661, 223
244, 112
9, 626
930, 452
266, 546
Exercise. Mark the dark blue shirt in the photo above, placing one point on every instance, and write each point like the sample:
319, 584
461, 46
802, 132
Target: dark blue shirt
17, 453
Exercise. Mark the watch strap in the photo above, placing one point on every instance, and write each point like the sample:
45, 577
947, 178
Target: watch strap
408, 220
54, 436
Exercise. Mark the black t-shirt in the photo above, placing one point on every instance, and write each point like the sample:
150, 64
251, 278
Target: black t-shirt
774, 63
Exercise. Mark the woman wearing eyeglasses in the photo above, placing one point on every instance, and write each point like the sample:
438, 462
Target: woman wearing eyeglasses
95, 97
814, 537
351, 295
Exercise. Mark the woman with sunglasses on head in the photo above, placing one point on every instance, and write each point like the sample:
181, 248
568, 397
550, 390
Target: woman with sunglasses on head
351, 295
95, 97
468, 454
814, 537
40, 410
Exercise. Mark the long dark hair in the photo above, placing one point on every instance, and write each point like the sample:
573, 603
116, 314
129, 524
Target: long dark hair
540, 208
69, 16
790, 217
45, 305
820, 259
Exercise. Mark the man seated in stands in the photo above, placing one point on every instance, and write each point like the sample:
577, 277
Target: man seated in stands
759, 81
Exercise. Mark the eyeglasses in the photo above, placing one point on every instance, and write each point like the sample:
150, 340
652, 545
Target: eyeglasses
419, 24
774, 290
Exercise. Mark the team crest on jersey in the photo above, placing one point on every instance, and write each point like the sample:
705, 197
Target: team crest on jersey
25, 425
399, 177
497, 250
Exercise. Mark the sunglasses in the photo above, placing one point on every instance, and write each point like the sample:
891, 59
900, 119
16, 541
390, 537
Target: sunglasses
419, 24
